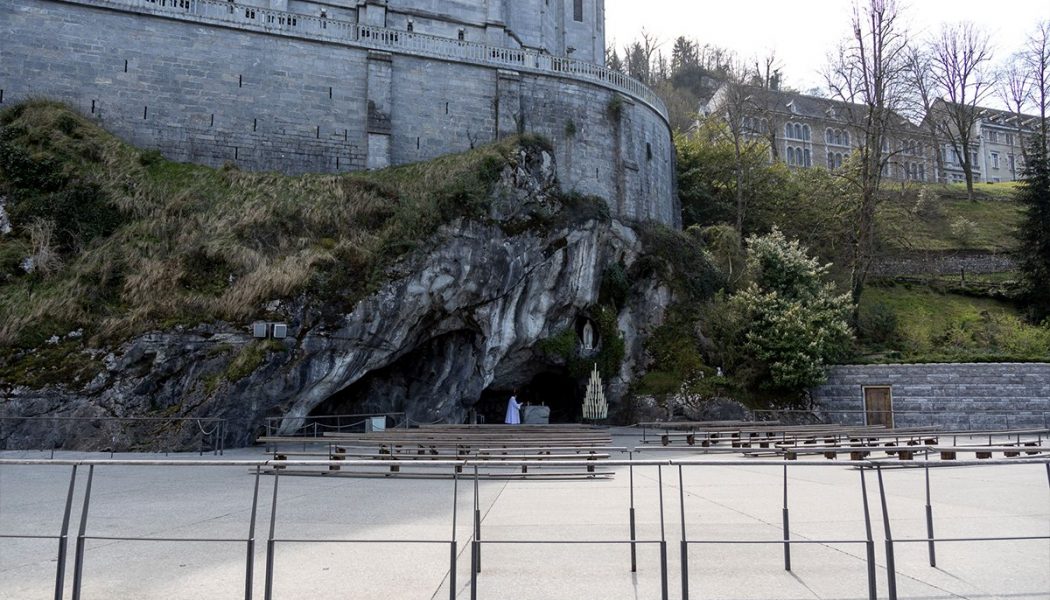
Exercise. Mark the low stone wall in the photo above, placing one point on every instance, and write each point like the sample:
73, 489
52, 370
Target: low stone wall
944, 263
954, 396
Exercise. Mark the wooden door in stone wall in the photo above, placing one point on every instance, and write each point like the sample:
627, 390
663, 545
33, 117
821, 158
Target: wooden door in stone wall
878, 406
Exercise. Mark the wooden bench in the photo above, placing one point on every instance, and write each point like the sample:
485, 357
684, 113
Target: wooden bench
340, 454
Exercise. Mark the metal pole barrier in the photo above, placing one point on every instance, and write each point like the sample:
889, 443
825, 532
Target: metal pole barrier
787, 530
63, 539
634, 555
891, 570
1048, 473
475, 561
929, 517
477, 520
870, 543
685, 542
78, 562
663, 539
249, 568
454, 545
270, 544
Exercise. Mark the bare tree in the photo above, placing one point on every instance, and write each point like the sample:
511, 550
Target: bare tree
1015, 88
640, 57
739, 109
1037, 60
959, 59
768, 72
920, 98
868, 74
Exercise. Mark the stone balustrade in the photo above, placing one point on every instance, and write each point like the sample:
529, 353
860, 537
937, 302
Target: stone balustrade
228, 13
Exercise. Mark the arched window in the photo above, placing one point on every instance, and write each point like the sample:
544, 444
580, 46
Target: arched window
788, 130
805, 132
791, 155
845, 138
798, 131
838, 161
922, 172
831, 161
808, 160
828, 136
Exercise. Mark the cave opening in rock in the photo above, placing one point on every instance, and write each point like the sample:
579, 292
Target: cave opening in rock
435, 383
553, 388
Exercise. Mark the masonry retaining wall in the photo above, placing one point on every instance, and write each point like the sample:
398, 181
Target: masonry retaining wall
955, 396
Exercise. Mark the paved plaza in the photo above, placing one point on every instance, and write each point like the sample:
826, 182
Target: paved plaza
722, 502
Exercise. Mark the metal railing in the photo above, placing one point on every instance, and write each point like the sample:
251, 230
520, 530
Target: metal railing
1009, 419
688, 576
315, 426
348, 33
125, 434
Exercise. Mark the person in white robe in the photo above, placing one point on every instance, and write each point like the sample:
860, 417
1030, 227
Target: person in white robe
513, 410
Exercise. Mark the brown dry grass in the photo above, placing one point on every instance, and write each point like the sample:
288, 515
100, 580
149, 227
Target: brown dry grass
200, 244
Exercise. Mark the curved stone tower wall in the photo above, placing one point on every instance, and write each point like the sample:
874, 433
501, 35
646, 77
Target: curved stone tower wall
212, 82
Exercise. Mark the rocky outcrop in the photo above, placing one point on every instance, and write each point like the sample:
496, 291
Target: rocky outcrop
463, 316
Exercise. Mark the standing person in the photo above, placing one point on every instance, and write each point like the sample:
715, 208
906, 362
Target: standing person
513, 410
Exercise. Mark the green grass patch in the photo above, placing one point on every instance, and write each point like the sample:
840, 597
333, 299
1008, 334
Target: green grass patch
948, 222
932, 326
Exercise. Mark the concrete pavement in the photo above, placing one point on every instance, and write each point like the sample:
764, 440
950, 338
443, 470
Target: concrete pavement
725, 503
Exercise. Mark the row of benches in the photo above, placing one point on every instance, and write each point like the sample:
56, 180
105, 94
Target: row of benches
489, 446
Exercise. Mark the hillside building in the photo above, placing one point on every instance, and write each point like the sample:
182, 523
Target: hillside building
808, 131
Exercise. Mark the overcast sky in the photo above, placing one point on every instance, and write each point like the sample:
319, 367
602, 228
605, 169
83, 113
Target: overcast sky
802, 32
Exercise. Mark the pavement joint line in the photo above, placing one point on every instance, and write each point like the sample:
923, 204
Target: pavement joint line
804, 585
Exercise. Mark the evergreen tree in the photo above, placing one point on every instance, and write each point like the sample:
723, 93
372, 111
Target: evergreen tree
612, 60
1034, 194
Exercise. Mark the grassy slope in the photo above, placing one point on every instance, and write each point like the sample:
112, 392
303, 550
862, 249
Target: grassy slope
940, 327
995, 217
935, 326
195, 244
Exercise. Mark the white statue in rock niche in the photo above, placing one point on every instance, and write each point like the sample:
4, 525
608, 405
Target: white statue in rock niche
588, 336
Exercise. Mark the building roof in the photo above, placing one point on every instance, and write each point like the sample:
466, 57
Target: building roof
994, 115
814, 107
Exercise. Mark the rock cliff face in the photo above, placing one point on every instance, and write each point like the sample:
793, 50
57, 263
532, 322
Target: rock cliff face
465, 315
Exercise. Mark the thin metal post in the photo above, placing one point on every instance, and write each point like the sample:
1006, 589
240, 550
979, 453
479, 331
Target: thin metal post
1048, 473
660, 487
663, 538
869, 544
477, 523
452, 571
929, 517
78, 562
63, 539
663, 571
249, 567
787, 529
475, 559
891, 569
270, 544
685, 540
454, 545
634, 554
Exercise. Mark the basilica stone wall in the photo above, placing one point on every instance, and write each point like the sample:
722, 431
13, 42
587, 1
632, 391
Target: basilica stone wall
217, 82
